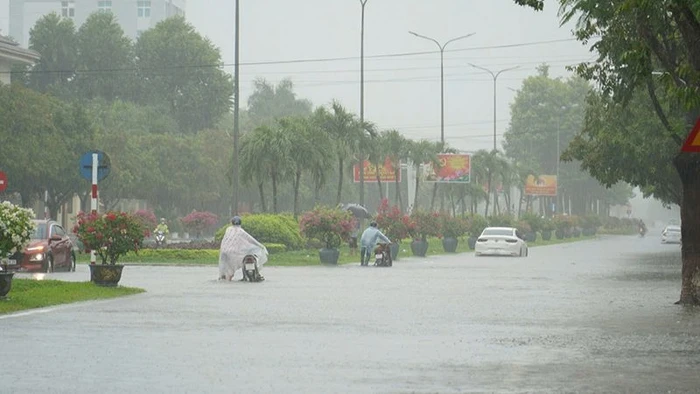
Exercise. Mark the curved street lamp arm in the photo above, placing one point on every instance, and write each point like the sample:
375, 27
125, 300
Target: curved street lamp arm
427, 38
457, 38
483, 69
505, 69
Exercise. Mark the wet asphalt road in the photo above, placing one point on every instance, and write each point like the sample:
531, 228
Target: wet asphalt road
594, 316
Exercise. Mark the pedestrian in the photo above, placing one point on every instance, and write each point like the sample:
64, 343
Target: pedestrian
369, 240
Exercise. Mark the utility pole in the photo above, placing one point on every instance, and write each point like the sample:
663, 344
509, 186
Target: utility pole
236, 100
362, 101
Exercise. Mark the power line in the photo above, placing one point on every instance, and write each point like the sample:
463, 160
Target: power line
293, 61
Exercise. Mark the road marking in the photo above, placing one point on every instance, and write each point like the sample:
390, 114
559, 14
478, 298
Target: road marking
49, 309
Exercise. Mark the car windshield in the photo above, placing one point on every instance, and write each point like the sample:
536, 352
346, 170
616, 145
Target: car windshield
497, 231
39, 231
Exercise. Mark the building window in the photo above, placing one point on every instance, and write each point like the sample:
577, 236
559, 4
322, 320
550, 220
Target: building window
144, 8
68, 9
104, 5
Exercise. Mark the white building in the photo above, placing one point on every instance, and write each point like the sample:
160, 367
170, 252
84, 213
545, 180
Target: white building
12, 54
135, 16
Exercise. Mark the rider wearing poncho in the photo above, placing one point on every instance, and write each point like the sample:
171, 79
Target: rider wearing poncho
235, 245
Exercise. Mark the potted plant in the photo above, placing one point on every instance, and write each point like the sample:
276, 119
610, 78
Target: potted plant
110, 235
331, 226
525, 229
452, 228
393, 224
16, 229
546, 228
477, 224
562, 226
535, 224
199, 223
426, 224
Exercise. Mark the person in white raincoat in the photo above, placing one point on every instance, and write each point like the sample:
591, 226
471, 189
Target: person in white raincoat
235, 245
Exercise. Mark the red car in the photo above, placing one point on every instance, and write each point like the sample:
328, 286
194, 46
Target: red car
50, 249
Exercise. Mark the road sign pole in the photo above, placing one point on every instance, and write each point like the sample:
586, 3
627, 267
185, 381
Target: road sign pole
46, 204
93, 201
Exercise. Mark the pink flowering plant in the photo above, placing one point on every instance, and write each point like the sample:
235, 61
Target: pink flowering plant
393, 223
199, 222
328, 225
427, 224
16, 228
111, 235
147, 218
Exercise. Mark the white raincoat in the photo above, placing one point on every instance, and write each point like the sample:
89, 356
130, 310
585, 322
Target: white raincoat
235, 245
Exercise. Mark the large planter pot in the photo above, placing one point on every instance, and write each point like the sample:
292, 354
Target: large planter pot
106, 275
531, 236
559, 233
5, 283
394, 248
449, 244
576, 232
471, 241
329, 256
419, 248
547, 235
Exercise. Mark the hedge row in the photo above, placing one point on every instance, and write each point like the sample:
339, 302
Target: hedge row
270, 229
187, 254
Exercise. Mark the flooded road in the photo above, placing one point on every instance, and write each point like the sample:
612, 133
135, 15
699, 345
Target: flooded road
593, 316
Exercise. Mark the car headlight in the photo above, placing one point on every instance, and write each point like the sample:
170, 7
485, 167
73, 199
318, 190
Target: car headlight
36, 257
39, 248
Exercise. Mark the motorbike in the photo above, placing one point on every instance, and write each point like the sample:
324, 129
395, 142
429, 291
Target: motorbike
160, 238
382, 255
642, 231
251, 270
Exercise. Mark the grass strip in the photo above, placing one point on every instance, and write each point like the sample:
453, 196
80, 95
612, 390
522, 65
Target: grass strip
31, 294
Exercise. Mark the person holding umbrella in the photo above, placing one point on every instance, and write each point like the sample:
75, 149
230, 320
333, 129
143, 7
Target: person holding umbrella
359, 212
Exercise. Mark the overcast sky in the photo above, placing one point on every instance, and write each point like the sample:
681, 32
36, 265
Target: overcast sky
401, 92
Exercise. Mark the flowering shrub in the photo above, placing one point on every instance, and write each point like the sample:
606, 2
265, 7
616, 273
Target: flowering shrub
453, 227
147, 218
477, 224
16, 228
427, 224
199, 222
393, 223
328, 225
110, 235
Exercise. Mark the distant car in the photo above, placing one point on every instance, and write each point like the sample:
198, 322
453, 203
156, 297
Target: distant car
671, 235
50, 249
500, 241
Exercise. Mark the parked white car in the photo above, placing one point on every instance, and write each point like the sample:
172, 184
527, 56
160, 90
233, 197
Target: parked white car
500, 241
671, 235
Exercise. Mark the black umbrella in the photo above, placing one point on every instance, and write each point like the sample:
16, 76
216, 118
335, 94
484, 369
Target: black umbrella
358, 211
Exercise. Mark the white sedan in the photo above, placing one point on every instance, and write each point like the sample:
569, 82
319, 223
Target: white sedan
500, 241
671, 235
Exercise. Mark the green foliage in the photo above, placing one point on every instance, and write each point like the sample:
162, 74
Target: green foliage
451, 226
195, 96
30, 293
55, 39
394, 224
270, 229
501, 221
477, 224
16, 228
534, 220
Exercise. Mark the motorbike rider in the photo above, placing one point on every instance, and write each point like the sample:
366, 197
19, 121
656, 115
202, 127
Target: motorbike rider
235, 245
642, 227
162, 227
369, 240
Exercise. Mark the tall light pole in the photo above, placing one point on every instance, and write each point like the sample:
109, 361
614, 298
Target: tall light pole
495, 78
442, 78
236, 99
362, 100
495, 148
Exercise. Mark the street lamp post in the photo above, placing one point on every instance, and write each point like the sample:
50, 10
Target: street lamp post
236, 99
442, 78
495, 149
362, 98
495, 78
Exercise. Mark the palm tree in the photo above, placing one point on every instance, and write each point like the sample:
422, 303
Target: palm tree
397, 148
266, 153
420, 152
312, 151
344, 128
